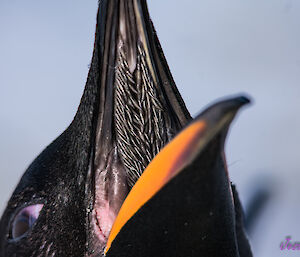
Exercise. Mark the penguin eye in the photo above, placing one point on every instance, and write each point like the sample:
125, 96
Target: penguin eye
24, 220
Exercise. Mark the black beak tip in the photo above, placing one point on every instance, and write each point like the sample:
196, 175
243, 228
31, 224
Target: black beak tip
228, 106
235, 103
242, 100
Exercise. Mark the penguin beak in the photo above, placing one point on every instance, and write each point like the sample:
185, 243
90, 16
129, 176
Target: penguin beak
138, 108
112, 180
177, 158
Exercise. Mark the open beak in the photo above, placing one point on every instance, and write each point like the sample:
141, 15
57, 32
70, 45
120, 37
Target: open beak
182, 205
118, 181
137, 109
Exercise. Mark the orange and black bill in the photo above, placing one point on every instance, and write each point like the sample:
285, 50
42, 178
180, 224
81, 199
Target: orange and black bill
70, 201
183, 204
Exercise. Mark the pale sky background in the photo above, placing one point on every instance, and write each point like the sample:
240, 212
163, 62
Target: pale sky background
214, 49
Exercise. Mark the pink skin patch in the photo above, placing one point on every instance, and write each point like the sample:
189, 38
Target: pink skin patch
110, 192
105, 218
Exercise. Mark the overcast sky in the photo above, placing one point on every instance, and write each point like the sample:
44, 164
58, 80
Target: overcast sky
214, 49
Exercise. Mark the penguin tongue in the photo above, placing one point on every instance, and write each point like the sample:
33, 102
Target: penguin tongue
139, 111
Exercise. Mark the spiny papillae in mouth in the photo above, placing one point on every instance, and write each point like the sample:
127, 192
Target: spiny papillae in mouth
142, 124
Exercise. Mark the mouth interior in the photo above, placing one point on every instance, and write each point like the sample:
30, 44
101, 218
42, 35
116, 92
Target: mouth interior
142, 125
135, 121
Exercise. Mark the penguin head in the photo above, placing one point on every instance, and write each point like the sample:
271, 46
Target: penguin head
68, 201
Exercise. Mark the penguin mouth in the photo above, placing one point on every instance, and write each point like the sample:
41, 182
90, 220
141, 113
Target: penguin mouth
134, 107
139, 108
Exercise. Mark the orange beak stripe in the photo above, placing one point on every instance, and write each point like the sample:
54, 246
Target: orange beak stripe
167, 164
